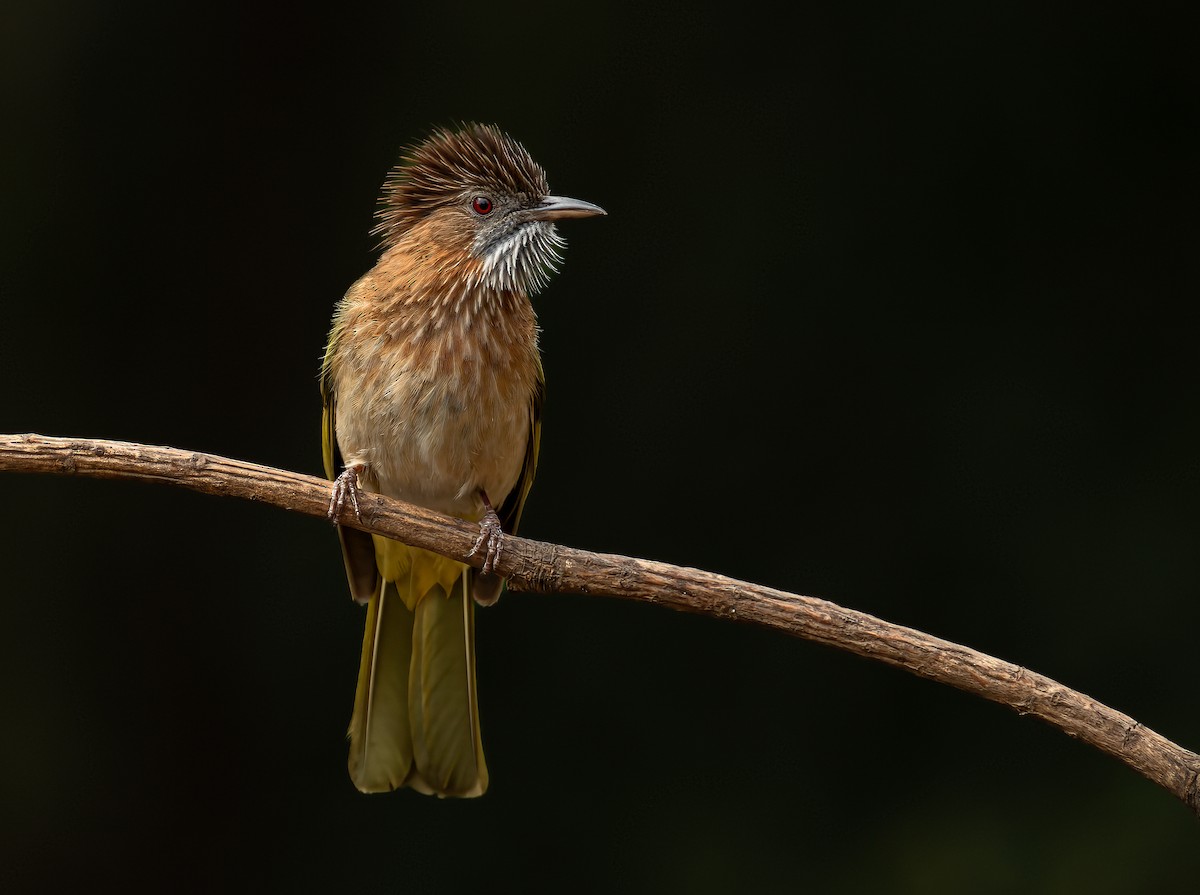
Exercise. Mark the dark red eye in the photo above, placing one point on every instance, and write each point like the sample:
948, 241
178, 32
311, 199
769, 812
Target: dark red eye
482, 205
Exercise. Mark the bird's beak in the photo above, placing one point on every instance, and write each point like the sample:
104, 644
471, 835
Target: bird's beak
554, 208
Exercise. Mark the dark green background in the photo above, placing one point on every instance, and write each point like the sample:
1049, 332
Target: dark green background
895, 308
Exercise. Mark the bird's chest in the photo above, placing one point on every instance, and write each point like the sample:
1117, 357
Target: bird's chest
438, 415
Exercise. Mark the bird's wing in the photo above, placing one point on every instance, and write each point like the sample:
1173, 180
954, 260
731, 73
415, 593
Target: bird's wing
330, 455
486, 588
510, 510
358, 550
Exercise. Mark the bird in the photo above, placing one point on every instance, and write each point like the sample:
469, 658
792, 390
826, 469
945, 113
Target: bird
432, 390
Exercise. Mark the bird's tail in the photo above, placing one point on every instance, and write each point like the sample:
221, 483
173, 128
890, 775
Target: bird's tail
416, 711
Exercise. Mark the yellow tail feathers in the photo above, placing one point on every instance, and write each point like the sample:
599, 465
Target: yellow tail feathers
416, 710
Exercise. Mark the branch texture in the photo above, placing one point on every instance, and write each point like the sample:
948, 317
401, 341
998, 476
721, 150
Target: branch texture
535, 566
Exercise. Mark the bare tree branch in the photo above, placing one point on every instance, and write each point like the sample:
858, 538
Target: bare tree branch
535, 566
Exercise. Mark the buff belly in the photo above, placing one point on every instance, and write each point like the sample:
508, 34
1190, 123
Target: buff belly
436, 443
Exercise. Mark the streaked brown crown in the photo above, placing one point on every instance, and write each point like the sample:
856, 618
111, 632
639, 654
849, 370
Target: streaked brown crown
447, 166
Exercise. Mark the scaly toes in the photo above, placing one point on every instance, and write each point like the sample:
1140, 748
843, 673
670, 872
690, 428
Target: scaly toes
490, 540
345, 488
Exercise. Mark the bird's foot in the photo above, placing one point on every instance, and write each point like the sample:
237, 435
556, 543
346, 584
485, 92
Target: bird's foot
490, 541
345, 490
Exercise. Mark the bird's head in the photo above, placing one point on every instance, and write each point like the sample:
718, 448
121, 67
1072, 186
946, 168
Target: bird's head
486, 193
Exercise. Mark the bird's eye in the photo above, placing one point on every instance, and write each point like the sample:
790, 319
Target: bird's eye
482, 205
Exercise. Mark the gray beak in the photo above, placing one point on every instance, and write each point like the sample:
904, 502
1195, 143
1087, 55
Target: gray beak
555, 208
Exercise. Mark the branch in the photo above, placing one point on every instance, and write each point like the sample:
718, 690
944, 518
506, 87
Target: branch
535, 566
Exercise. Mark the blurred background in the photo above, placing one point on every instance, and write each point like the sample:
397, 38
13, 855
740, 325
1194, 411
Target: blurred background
895, 308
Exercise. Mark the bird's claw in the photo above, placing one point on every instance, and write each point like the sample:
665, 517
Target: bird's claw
490, 540
345, 490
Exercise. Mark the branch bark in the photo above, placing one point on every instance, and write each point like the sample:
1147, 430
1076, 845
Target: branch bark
536, 566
